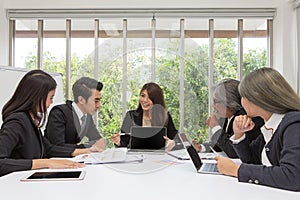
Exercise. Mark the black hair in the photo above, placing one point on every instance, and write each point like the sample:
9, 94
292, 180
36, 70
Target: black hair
31, 95
83, 87
159, 115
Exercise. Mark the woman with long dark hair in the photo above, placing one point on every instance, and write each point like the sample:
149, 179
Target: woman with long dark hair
22, 145
151, 111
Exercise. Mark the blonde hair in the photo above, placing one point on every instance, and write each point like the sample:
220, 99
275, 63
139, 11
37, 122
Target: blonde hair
268, 89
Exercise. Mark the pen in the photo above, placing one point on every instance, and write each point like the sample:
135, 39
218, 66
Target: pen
216, 153
125, 133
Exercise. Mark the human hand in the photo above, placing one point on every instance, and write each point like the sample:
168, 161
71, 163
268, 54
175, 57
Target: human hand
227, 166
196, 146
116, 139
55, 164
212, 121
242, 124
170, 144
99, 146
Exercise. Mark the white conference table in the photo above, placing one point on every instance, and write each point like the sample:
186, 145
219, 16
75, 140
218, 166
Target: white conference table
158, 177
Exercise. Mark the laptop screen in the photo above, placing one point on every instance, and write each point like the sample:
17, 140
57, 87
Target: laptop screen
191, 151
147, 137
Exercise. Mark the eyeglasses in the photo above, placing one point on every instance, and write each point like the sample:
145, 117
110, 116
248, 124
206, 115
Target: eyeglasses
215, 102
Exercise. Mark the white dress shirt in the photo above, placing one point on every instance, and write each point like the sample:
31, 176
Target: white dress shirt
268, 130
78, 112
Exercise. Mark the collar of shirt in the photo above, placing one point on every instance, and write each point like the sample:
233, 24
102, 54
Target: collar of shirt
271, 125
228, 122
78, 112
268, 130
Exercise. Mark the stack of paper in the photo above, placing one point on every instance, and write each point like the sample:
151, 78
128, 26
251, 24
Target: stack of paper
114, 155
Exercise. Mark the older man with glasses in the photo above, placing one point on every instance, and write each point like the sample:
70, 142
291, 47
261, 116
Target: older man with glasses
226, 104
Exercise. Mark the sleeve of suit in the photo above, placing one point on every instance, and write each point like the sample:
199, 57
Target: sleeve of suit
9, 139
225, 144
56, 128
56, 151
171, 130
285, 175
126, 126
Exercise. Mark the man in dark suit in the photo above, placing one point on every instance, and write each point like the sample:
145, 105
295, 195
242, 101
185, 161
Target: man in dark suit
226, 106
71, 124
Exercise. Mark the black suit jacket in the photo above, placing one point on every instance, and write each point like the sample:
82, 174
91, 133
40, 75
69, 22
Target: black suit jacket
63, 127
220, 141
135, 118
21, 141
283, 152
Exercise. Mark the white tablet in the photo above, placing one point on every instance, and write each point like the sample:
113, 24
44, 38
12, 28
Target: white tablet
55, 176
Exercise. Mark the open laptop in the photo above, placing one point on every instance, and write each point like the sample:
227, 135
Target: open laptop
210, 168
147, 139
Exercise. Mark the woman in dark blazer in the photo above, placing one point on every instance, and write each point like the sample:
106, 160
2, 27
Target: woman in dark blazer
151, 111
273, 159
22, 145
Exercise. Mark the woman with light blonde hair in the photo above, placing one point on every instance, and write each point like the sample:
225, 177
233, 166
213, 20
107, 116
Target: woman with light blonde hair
273, 159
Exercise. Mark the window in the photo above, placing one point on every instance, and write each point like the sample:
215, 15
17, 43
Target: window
174, 49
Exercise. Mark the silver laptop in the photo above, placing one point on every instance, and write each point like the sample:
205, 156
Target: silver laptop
209, 168
147, 139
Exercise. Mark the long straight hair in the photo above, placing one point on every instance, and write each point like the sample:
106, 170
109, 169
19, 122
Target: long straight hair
268, 89
31, 95
159, 114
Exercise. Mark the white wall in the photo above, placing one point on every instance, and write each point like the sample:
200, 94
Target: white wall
285, 42
285, 57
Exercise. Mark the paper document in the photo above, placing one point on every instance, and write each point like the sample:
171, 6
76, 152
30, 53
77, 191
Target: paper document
117, 155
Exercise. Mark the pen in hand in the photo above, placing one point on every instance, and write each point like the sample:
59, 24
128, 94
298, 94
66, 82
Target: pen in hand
214, 151
116, 139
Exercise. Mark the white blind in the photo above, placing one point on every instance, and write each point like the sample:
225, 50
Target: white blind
140, 12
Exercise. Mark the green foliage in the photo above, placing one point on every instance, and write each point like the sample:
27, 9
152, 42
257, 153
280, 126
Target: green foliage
167, 75
254, 59
225, 59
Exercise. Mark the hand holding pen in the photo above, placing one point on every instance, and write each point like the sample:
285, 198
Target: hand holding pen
116, 139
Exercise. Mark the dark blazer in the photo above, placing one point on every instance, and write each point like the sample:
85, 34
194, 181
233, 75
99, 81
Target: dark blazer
220, 141
283, 152
135, 118
63, 127
21, 141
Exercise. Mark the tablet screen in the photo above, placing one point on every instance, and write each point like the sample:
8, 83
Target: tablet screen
53, 175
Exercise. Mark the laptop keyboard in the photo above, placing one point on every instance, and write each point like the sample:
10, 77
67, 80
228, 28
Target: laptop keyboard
210, 167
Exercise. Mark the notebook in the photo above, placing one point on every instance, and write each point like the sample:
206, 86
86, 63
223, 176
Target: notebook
201, 167
147, 139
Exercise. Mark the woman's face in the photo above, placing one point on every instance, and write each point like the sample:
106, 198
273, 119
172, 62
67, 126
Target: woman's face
145, 101
50, 97
251, 109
